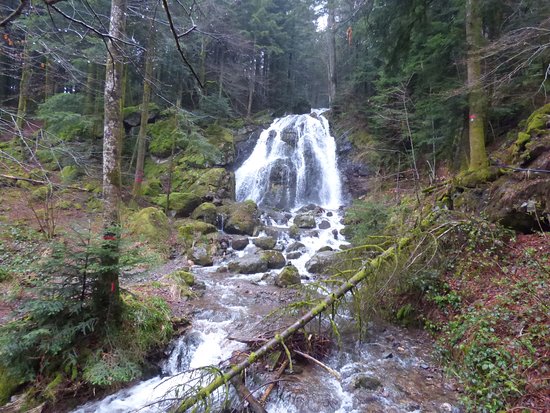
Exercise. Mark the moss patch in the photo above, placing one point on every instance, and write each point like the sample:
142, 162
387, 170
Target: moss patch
183, 203
150, 224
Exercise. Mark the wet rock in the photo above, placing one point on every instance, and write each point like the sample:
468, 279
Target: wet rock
250, 264
305, 221
288, 276
274, 259
206, 212
293, 255
364, 381
273, 232
242, 217
239, 243
294, 232
320, 262
184, 276
296, 246
325, 248
265, 243
199, 255
324, 224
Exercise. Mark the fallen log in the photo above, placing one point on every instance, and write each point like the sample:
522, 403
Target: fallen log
39, 182
246, 396
368, 268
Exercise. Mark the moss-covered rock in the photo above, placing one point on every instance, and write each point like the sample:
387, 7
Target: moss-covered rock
206, 212
265, 243
208, 184
241, 217
165, 135
288, 276
274, 259
183, 203
222, 139
183, 276
305, 221
69, 174
200, 255
294, 232
190, 229
132, 114
150, 224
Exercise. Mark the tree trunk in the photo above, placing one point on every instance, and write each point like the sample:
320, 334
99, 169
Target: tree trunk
24, 86
90, 89
106, 291
49, 85
476, 97
142, 135
331, 32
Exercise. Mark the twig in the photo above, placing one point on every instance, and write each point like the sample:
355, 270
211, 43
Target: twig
272, 385
323, 365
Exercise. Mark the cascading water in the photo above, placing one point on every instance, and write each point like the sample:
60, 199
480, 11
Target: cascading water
293, 164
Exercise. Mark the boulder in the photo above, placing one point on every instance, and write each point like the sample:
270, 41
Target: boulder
249, 264
239, 243
320, 262
296, 246
364, 381
242, 217
265, 243
274, 259
199, 255
151, 224
288, 276
209, 184
190, 230
293, 255
294, 232
325, 248
184, 276
324, 224
206, 212
305, 221
182, 203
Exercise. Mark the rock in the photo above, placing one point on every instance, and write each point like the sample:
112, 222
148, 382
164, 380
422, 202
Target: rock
321, 262
250, 264
274, 259
190, 230
305, 221
206, 212
200, 256
265, 243
184, 276
183, 203
324, 224
152, 225
294, 255
325, 248
296, 246
242, 217
288, 276
364, 381
239, 243
294, 232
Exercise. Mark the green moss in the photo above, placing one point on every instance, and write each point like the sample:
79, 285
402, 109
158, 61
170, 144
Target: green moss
183, 203
165, 134
537, 120
183, 276
470, 179
69, 174
206, 212
204, 182
150, 224
8, 385
41, 193
190, 230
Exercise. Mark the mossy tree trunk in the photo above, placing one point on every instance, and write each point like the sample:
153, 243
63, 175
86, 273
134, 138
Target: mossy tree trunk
106, 291
49, 85
142, 135
476, 97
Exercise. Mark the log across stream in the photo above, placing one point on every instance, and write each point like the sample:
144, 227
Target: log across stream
389, 371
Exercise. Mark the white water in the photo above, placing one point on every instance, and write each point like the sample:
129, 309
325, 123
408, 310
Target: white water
293, 164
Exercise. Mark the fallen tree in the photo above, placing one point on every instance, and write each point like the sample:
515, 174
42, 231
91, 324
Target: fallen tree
370, 267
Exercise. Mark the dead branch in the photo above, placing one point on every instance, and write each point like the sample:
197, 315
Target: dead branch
323, 365
246, 396
272, 385
38, 182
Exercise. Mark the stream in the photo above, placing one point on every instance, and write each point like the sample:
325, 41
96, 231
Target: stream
293, 168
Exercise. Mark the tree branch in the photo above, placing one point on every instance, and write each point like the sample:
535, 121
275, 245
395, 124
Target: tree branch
16, 13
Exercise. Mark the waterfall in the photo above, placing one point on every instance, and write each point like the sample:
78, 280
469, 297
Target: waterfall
293, 164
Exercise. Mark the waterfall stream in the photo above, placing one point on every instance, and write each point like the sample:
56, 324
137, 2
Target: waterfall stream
293, 164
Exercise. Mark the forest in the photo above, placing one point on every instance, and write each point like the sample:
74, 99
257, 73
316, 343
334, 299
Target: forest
227, 205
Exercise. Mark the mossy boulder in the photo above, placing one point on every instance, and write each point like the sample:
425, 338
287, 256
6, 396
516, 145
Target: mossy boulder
183, 276
150, 224
288, 276
305, 221
200, 255
265, 243
190, 229
239, 242
537, 125
364, 381
208, 184
182, 203
206, 212
241, 217
294, 232
274, 259
222, 139
132, 114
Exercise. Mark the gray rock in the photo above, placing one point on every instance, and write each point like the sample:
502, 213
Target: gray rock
274, 259
321, 261
296, 246
364, 381
324, 224
239, 243
293, 255
288, 276
305, 221
249, 264
265, 243
325, 248
200, 256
